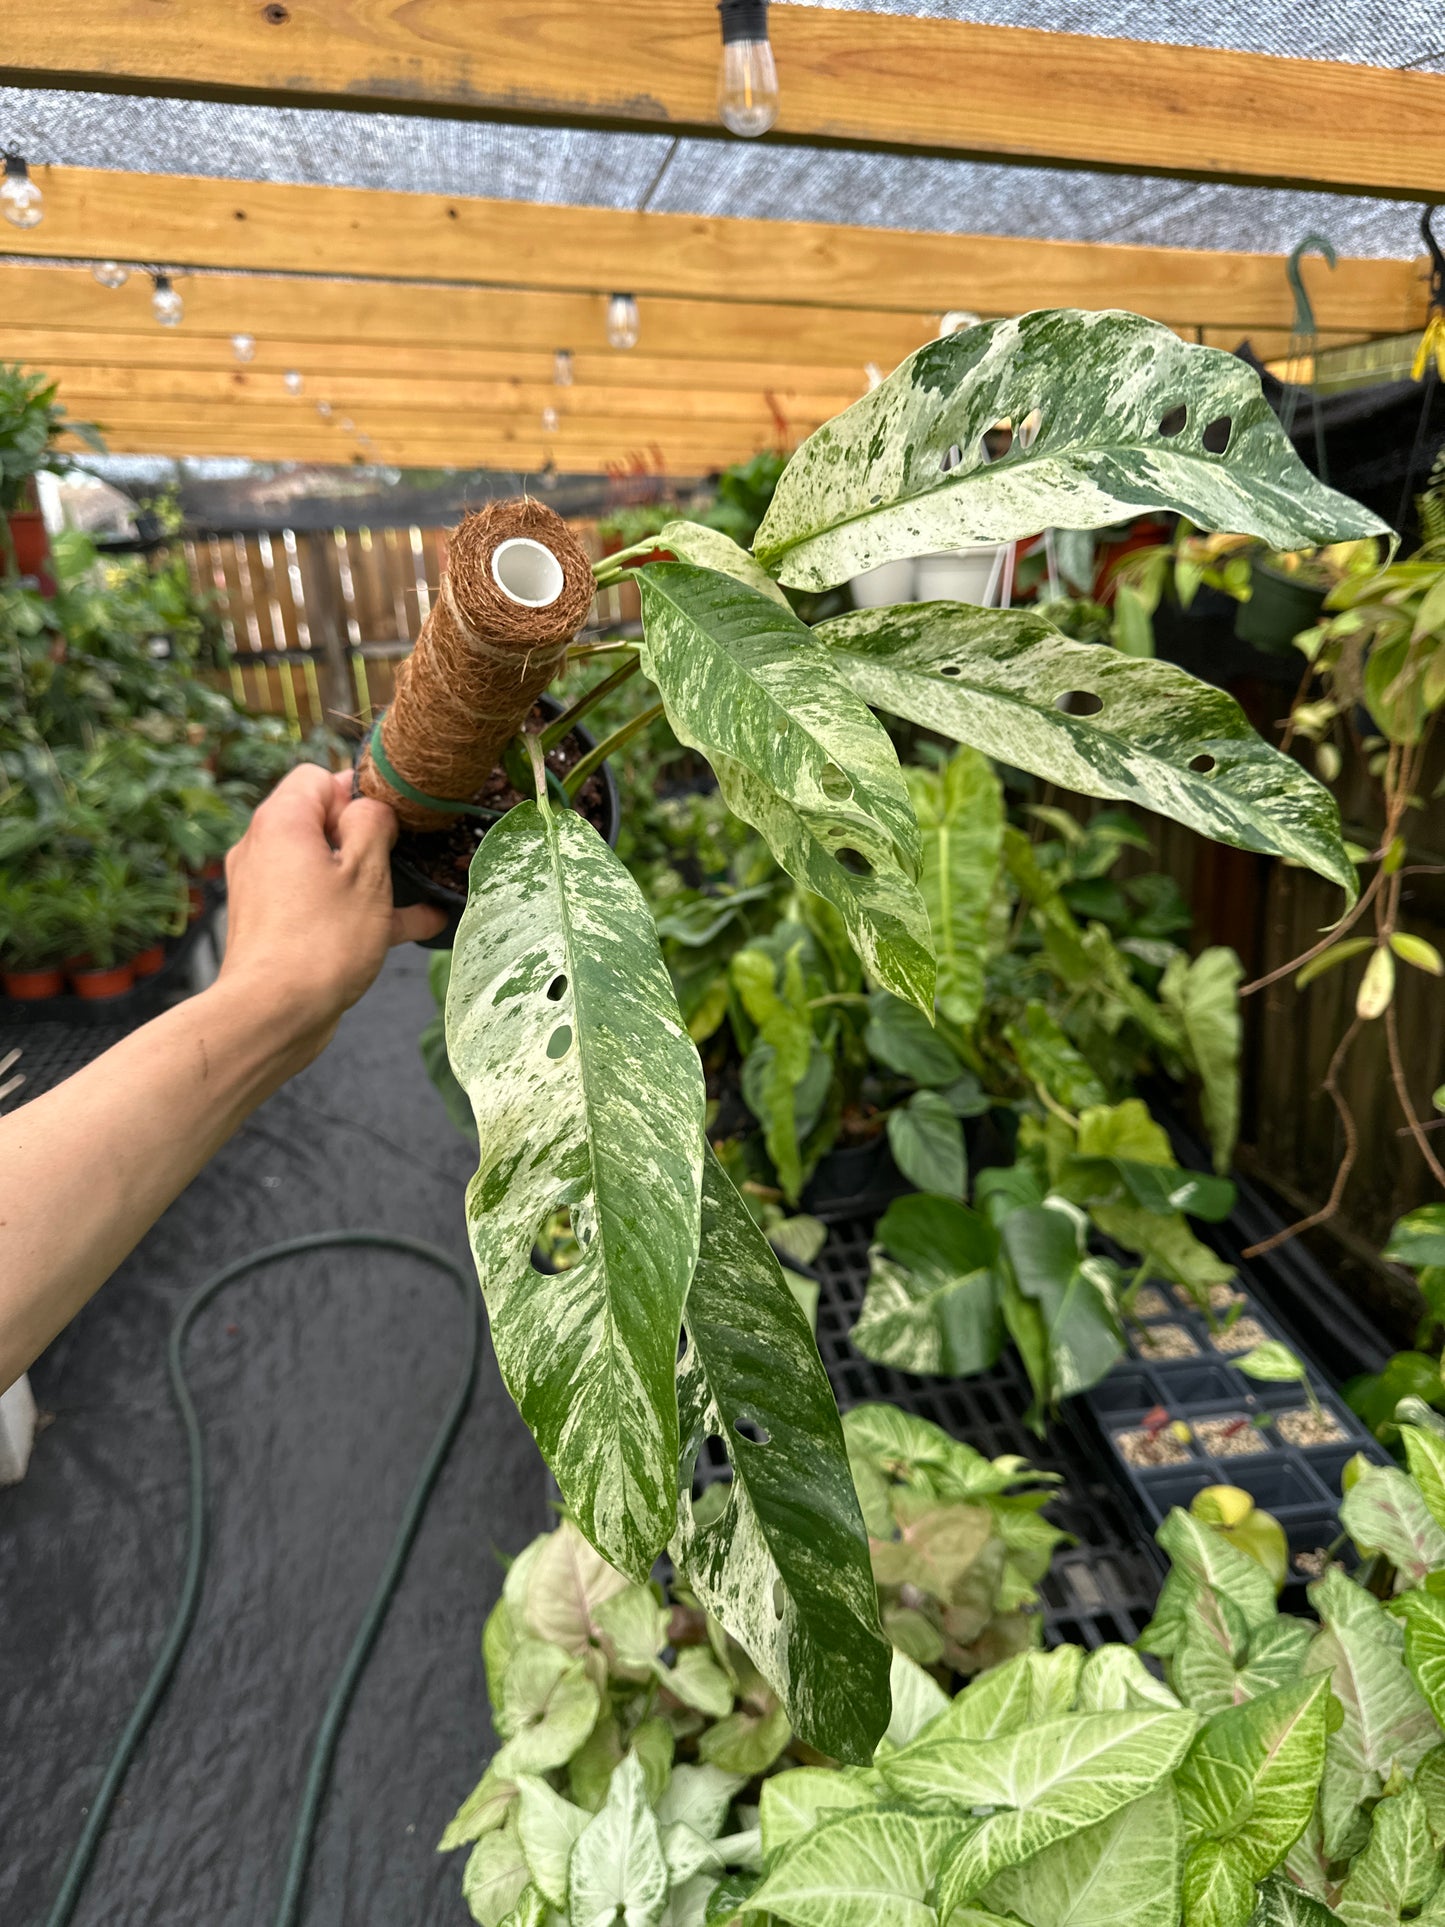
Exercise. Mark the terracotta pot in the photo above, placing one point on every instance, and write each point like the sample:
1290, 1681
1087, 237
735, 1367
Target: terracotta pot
196, 898
148, 962
32, 547
213, 872
31, 986
94, 985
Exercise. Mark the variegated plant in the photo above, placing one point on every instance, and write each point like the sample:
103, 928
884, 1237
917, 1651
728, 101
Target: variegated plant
676, 1327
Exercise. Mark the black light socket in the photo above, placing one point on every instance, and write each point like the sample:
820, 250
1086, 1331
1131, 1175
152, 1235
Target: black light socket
743, 20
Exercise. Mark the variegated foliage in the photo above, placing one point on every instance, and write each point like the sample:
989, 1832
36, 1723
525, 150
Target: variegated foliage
1108, 414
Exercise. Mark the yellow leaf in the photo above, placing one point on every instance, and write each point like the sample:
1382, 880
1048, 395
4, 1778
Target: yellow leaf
1415, 950
1377, 986
1337, 954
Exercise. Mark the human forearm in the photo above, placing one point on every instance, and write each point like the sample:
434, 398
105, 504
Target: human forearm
138, 1123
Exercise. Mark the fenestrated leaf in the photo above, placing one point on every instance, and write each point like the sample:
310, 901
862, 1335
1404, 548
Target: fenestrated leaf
1283, 1904
587, 1090
1124, 1872
785, 1567
797, 755
858, 1870
618, 1876
1044, 1782
1399, 1870
907, 470
960, 814
996, 678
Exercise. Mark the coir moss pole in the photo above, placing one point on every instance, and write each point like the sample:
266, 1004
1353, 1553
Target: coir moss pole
516, 590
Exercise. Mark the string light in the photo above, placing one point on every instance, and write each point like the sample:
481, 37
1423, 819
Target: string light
243, 347
562, 368
348, 426
549, 421
323, 409
110, 274
623, 322
747, 94
166, 305
294, 381
21, 201
956, 320
874, 375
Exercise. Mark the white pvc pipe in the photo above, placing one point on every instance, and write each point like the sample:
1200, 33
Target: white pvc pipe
527, 572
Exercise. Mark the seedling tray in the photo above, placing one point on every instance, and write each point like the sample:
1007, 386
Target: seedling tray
1205, 1423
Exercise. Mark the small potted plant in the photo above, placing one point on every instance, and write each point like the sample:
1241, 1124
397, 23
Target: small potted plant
30, 420
115, 909
32, 937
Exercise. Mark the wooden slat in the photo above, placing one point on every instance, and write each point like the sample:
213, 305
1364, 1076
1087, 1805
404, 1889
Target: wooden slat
91, 389
61, 349
379, 316
190, 222
893, 81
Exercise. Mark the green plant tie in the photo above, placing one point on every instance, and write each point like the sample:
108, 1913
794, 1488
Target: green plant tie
442, 805
329, 1731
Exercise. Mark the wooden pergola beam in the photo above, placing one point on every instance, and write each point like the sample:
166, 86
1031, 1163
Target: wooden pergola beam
852, 78
379, 316
271, 227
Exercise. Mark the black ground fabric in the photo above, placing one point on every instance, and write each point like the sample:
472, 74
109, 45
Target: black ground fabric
320, 1384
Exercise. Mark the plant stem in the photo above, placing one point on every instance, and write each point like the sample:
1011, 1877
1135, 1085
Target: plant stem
595, 758
1347, 1163
562, 725
539, 767
609, 569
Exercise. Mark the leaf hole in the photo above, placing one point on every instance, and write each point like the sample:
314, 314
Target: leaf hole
560, 1042
1173, 423
951, 669
1029, 428
951, 458
557, 989
997, 441
836, 785
748, 1428
1216, 436
1203, 764
780, 1597
1080, 702
684, 1343
855, 863
874, 500
710, 1485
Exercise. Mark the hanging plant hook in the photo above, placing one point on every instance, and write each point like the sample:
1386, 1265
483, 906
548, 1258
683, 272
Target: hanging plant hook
1437, 258
1304, 314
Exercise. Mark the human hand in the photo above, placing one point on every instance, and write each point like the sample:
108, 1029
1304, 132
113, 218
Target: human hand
310, 915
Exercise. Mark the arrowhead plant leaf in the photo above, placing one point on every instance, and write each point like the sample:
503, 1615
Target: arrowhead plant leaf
1109, 415
1090, 720
796, 755
1124, 1872
564, 1030
785, 1567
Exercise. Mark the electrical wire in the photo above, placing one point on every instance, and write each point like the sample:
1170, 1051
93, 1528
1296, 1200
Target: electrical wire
334, 1716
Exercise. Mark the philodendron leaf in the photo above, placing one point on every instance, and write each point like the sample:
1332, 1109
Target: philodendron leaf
932, 1298
785, 1566
1041, 1784
860, 1870
926, 1140
1122, 1873
618, 1876
563, 1027
1110, 415
797, 755
711, 549
1047, 1247
1090, 720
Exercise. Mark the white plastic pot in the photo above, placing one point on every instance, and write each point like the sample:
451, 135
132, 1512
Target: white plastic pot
960, 575
880, 588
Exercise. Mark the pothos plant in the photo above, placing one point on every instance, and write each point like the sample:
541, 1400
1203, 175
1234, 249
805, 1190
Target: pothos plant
676, 1326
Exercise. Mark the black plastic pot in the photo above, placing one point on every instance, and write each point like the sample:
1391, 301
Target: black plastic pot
1222, 1410
409, 884
1279, 609
859, 1181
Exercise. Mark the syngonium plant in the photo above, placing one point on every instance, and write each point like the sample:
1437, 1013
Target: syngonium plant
676, 1326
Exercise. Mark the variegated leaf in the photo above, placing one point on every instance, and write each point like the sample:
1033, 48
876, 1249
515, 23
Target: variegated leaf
1424, 1617
711, 549
785, 1566
495, 1876
1091, 720
617, 1875
1385, 1511
1283, 1904
1399, 1871
799, 1802
797, 755
1124, 1872
859, 1870
1094, 402
1203, 1559
1036, 1786
563, 1028
1114, 1679
1250, 1778
548, 1827
960, 814
1425, 1453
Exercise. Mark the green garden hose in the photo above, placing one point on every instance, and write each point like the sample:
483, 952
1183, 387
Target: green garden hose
319, 1769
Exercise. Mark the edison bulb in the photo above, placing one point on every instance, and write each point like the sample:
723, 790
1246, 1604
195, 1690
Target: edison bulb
747, 95
21, 201
956, 320
549, 421
110, 274
562, 368
348, 426
243, 347
166, 305
623, 323
294, 381
323, 409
